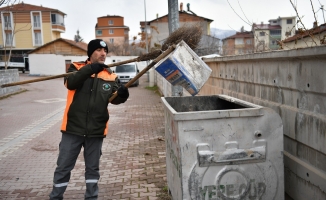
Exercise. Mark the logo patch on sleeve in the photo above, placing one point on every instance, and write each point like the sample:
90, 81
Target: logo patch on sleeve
106, 86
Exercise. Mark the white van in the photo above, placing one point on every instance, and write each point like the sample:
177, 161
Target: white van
127, 72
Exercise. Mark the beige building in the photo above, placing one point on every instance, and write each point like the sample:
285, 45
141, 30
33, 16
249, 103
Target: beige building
158, 29
239, 43
267, 36
309, 38
24, 27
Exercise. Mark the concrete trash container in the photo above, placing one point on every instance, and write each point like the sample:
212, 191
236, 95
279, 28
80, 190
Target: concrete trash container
220, 147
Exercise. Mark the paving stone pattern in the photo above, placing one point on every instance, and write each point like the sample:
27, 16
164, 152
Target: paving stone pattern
133, 154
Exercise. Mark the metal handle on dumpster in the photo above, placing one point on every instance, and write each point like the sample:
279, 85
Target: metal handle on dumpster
232, 156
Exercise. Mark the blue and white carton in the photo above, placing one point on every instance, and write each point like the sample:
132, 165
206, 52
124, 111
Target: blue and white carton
184, 67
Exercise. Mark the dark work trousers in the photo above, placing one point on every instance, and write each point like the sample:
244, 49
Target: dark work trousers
69, 149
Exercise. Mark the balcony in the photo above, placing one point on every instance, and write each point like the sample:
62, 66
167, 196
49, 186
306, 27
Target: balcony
58, 27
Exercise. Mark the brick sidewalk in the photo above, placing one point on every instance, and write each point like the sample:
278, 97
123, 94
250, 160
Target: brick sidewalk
133, 160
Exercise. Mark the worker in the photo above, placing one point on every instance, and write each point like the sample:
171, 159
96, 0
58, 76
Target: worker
85, 121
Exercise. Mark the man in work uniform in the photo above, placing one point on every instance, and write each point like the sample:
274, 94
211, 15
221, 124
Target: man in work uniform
85, 121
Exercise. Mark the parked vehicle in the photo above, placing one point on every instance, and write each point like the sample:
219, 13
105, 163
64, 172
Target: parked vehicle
20, 63
127, 72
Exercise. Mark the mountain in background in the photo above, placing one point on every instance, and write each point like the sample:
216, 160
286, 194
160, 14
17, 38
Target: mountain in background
221, 34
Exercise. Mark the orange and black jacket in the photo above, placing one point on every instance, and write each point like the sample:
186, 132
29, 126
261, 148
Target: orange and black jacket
86, 112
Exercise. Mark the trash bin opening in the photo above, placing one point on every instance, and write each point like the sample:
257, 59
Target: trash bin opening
201, 103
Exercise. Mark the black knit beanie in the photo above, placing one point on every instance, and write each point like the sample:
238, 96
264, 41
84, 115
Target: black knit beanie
95, 44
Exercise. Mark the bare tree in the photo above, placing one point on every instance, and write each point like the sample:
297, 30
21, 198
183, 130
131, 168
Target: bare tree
3, 2
77, 37
11, 30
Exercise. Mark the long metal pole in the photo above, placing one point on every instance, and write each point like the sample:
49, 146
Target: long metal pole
174, 25
146, 42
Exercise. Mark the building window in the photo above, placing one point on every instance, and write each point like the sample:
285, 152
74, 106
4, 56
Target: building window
111, 31
8, 38
57, 19
274, 42
126, 31
275, 32
111, 40
110, 22
37, 39
289, 21
248, 41
7, 21
36, 21
238, 41
262, 33
98, 32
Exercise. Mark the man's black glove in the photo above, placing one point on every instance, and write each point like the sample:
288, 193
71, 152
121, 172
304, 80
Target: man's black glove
123, 92
97, 67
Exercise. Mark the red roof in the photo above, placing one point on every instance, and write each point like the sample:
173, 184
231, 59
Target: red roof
246, 34
180, 12
111, 16
80, 45
23, 7
307, 33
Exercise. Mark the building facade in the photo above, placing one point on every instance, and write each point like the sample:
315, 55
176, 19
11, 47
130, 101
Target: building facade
306, 38
58, 55
24, 27
268, 36
158, 29
239, 43
111, 29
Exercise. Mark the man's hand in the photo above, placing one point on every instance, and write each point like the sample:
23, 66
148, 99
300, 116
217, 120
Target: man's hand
123, 92
97, 67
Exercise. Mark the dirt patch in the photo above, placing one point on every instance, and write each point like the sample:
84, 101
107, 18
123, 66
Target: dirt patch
43, 146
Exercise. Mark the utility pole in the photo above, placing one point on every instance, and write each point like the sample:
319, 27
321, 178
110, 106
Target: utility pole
174, 25
146, 42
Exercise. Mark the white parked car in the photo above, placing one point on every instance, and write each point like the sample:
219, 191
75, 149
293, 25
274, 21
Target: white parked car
127, 72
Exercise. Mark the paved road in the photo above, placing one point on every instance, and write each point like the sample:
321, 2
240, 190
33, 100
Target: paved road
133, 160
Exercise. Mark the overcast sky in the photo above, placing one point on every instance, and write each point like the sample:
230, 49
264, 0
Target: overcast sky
83, 14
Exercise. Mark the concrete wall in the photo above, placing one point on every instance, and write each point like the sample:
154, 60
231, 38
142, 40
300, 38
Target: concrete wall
291, 82
9, 76
50, 64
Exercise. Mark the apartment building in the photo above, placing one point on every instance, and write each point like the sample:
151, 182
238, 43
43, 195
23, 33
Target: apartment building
267, 36
111, 29
239, 43
158, 29
24, 27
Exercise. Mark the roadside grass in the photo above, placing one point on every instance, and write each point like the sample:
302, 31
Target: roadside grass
155, 89
163, 194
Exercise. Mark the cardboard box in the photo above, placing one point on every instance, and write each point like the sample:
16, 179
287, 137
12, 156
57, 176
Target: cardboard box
183, 67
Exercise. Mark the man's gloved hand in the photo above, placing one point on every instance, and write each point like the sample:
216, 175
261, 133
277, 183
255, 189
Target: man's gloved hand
97, 67
123, 92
